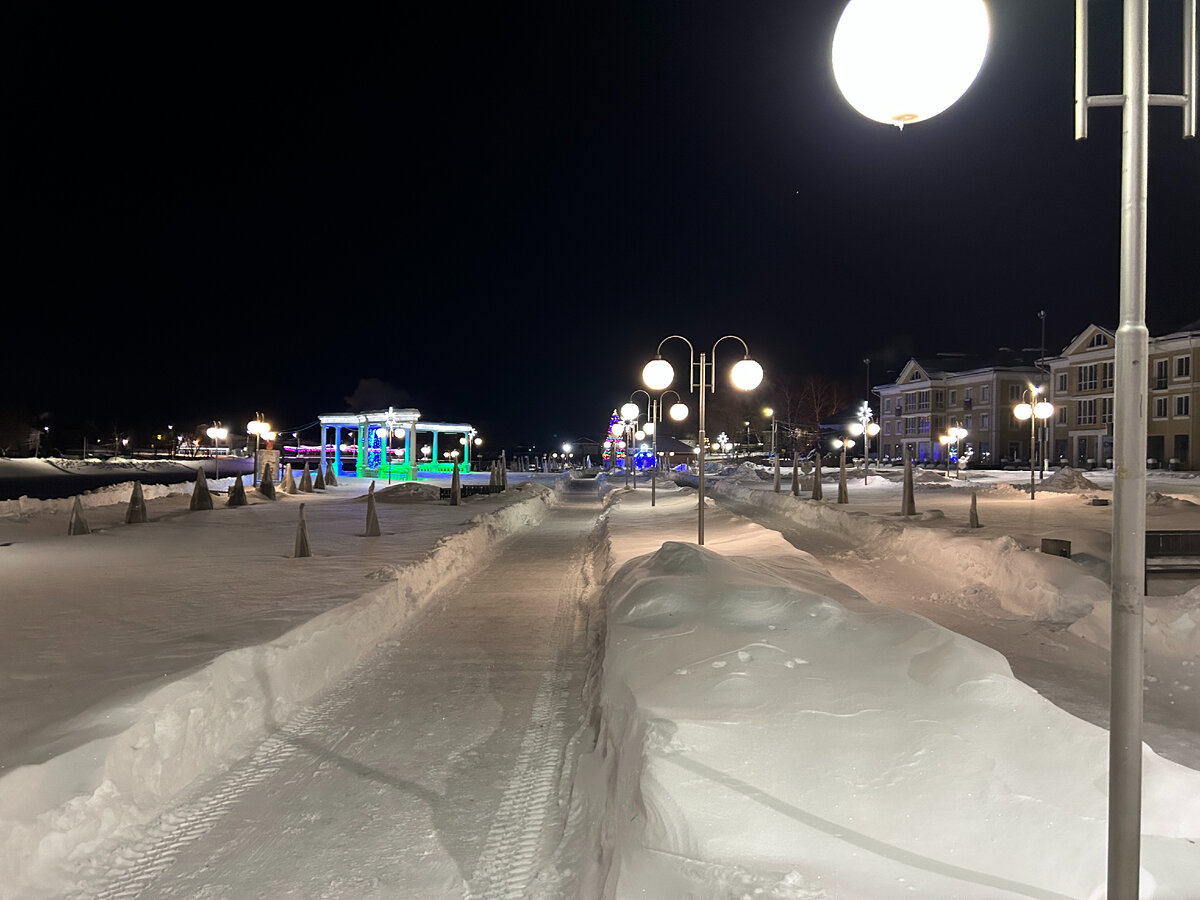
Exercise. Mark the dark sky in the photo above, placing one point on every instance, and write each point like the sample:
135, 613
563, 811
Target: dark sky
499, 210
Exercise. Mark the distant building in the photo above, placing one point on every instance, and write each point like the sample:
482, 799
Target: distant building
1081, 389
931, 395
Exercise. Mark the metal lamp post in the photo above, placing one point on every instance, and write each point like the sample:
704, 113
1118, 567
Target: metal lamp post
1132, 349
868, 429
746, 375
1033, 409
654, 410
217, 434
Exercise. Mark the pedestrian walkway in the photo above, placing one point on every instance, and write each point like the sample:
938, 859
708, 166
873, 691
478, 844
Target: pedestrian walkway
433, 771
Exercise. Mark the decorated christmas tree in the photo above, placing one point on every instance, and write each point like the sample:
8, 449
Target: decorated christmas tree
614, 442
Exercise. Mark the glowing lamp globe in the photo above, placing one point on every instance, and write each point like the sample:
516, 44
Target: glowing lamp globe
639, 435
855, 428
1043, 409
678, 411
630, 411
1022, 411
657, 374
903, 61
648, 428
746, 375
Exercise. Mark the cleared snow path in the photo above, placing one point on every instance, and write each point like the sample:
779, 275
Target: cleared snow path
435, 770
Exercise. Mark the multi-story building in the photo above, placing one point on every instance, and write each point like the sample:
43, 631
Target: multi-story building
932, 395
1082, 391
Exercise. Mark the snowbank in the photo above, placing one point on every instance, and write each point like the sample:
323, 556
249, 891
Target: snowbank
766, 740
1036, 585
59, 811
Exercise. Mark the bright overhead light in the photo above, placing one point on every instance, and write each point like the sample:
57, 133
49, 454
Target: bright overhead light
630, 411
903, 61
658, 374
746, 374
678, 411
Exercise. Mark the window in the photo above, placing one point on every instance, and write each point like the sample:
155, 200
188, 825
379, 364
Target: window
1106, 410
887, 427
887, 404
983, 421
1183, 367
1014, 392
1087, 377
1087, 412
1183, 406
923, 424
954, 398
922, 400
1106, 375
1160, 407
1099, 340
967, 423
939, 399
984, 393
1061, 413
967, 394
915, 376
1160, 375
1062, 382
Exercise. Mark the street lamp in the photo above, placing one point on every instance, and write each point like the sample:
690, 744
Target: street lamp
745, 375
843, 445
1033, 409
257, 427
654, 410
217, 434
868, 429
1132, 352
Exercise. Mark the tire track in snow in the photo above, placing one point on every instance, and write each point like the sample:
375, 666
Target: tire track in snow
520, 829
140, 863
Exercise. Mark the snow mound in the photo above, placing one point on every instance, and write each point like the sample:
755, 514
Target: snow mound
1154, 498
734, 685
1068, 479
1171, 626
404, 492
928, 476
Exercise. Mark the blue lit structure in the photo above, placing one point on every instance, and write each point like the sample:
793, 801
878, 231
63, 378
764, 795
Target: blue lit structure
388, 443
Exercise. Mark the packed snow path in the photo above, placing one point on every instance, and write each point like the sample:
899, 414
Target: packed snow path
433, 771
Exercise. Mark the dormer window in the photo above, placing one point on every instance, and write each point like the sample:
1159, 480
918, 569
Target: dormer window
1099, 340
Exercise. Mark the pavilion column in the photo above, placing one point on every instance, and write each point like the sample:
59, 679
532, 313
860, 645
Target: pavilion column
435, 447
410, 451
362, 446
324, 432
337, 449
466, 452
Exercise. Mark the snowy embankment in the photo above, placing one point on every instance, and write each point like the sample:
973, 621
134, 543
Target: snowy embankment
60, 810
760, 738
102, 496
996, 570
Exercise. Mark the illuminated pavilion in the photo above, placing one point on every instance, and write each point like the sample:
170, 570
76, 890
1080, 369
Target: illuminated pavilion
389, 444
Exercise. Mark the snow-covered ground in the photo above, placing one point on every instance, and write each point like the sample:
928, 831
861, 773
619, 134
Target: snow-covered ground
776, 721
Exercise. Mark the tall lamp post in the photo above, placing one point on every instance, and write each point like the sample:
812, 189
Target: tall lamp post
1132, 344
868, 429
630, 412
654, 409
746, 375
259, 428
217, 433
1033, 409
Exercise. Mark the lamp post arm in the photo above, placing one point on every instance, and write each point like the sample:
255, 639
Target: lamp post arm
713, 360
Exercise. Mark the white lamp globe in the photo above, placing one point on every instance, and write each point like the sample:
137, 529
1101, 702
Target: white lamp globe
678, 411
630, 410
746, 374
855, 428
648, 428
1043, 409
657, 374
903, 61
255, 426
1023, 411
639, 435
872, 429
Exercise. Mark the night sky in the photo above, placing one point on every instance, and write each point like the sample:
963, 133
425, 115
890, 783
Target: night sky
495, 212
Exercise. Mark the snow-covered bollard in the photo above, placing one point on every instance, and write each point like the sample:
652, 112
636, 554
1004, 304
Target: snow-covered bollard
318, 480
136, 513
289, 481
455, 487
306, 485
302, 548
908, 505
973, 514
266, 484
237, 493
330, 478
201, 498
372, 517
795, 474
77, 523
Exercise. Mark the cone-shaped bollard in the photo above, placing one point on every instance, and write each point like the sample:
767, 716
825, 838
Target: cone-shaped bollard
817, 493
266, 484
237, 493
455, 487
305, 486
77, 524
318, 480
492, 474
330, 478
136, 513
795, 474
289, 482
201, 498
503, 472
973, 515
843, 496
302, 548
908, 505
372, 517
